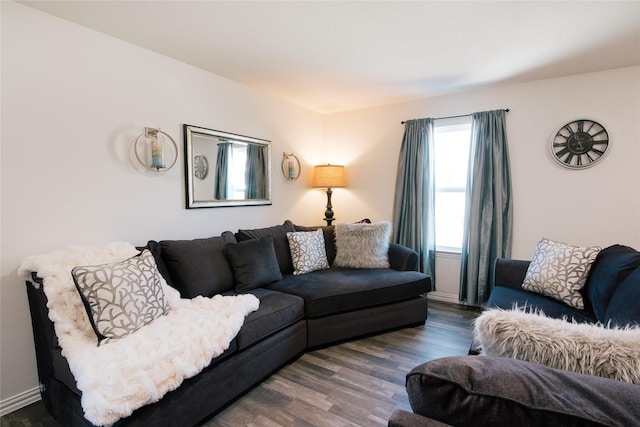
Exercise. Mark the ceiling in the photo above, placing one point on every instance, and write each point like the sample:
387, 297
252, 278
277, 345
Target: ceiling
332, 56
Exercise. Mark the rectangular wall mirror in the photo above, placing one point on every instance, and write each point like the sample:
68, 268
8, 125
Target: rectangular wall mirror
225, 169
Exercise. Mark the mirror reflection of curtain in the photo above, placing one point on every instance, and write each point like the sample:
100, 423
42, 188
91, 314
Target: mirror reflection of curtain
256, 172
222, 170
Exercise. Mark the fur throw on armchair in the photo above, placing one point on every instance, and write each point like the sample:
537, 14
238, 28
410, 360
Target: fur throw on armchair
584, 348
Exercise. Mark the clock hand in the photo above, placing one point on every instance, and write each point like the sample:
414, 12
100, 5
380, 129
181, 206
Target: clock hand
579, 142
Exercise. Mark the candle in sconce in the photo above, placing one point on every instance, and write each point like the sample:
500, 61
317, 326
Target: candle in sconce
290, 169
157, 153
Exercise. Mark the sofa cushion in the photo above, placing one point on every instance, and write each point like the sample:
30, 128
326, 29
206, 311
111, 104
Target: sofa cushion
624, 307
308, 252
560, 271
362, 245
254, 263
199, 266
156, 250
276, 312
278, 234
338, 290
609, 270
507, 298
496, 390
121, 297
329, 234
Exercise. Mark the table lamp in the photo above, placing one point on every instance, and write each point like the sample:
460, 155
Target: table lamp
328, 176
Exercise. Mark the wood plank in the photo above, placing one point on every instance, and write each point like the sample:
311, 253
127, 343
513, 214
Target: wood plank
360, 382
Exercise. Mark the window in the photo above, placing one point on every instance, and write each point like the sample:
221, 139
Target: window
452, 142
236, 185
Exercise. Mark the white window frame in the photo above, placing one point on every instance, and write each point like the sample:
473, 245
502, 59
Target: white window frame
451, 125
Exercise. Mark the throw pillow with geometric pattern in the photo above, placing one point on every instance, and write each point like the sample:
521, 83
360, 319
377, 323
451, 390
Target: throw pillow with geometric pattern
308, 251
121, 297
560, 271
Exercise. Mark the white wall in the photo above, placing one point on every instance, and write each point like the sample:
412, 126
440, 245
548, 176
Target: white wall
596, 206
73, 101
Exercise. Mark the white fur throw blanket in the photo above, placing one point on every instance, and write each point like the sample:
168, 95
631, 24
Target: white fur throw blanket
560, 343
118, 377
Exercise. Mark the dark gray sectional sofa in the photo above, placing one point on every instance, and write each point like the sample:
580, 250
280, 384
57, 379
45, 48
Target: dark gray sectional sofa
296, 313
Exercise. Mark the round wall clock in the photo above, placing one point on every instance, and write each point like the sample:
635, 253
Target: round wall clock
200, 166
579, 144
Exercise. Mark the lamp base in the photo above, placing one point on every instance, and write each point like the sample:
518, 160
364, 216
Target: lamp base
328, 214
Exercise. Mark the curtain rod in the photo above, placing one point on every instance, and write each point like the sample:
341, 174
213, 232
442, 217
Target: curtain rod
506, 110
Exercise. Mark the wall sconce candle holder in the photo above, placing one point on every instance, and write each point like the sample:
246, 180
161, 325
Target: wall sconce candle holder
290, 166
155, 150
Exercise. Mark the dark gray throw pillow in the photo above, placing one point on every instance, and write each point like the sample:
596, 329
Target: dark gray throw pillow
254, 264
278, 234
500, 391
199, 266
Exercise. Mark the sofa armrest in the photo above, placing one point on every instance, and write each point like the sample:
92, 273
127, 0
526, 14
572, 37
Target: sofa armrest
402, 258
509, 273
401, 418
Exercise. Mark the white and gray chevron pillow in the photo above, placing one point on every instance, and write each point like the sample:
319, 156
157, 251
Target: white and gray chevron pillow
121, 297
308, 252
560, 271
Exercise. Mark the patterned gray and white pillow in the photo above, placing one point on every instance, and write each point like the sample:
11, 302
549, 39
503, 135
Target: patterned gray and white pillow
308, 252
121, 297
560, 271
362, 245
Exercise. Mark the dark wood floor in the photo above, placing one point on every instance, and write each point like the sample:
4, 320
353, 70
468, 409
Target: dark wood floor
357, 383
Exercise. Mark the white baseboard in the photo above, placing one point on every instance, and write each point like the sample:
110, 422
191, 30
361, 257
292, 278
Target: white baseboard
19, 401
444, 297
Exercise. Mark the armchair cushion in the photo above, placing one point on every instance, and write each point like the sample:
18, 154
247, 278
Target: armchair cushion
508, 298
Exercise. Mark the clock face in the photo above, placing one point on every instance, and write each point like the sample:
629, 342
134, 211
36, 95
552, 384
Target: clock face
200, 166
579, 144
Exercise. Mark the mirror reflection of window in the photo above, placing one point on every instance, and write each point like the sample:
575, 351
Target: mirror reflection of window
237, 183
239, 169
231, 164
